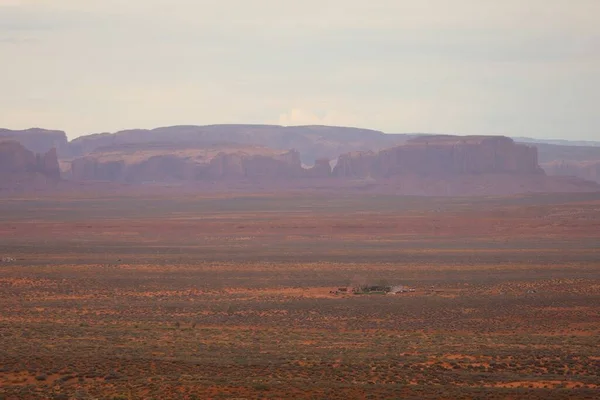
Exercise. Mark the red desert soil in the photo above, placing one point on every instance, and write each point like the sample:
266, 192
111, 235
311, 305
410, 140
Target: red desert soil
229, 296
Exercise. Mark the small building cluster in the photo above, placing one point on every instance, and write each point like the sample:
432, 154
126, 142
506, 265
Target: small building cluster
341, 290
373, 289
7, 260
401, 289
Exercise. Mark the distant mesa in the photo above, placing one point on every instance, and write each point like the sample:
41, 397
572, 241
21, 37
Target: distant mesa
39, 140
588, 170
20, 167
548, 152
436, 156
312, 142
456, 166
441, 156
172, 162
276, 157
429, 166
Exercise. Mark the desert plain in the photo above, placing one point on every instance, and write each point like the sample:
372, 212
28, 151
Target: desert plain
107, 295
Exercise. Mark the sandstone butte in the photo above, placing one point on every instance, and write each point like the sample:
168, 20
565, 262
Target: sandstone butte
441, 156
313, 142
165, 162
433, 165
588, 170
434, 156
423, 165
38, 140
20, 166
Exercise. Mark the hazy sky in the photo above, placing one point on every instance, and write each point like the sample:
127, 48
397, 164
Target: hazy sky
514, 67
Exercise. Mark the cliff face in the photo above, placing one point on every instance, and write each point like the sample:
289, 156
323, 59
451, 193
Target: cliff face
257, 166
86, 144
584, 170
436, 166
20, 164
549, 153
321, 169
38, 140
47, 164
164, 163
312, 142
441, 156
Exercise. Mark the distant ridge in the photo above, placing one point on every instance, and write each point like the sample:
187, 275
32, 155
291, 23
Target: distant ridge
560, 142
195, 153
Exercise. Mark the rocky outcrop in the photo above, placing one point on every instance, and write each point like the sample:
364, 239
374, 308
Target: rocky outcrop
83, 145
440, 166
584, 170
20, 165
258, 156
312, 142
441, 156
548, 153
241, 165
47, 164
166, 162
39, 140
357, 164
321, 169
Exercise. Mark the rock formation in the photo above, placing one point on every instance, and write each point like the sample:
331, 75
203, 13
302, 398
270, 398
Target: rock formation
312, 142
441, 156
39, 140
47, 164
589, 170
259, 156
167, 162
436, 165
321, 169
19, 165
83, 145
548, 153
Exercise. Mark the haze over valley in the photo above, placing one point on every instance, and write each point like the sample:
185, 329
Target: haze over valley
316, 199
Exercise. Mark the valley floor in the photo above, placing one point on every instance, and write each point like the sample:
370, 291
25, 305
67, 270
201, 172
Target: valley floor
230, 296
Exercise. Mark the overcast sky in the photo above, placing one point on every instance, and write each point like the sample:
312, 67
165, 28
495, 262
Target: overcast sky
514, 67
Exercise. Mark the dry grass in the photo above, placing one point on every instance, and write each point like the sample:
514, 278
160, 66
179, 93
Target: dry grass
197, 297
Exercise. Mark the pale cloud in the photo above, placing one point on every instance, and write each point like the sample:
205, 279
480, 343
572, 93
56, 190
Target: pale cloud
299, 116
524, 68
